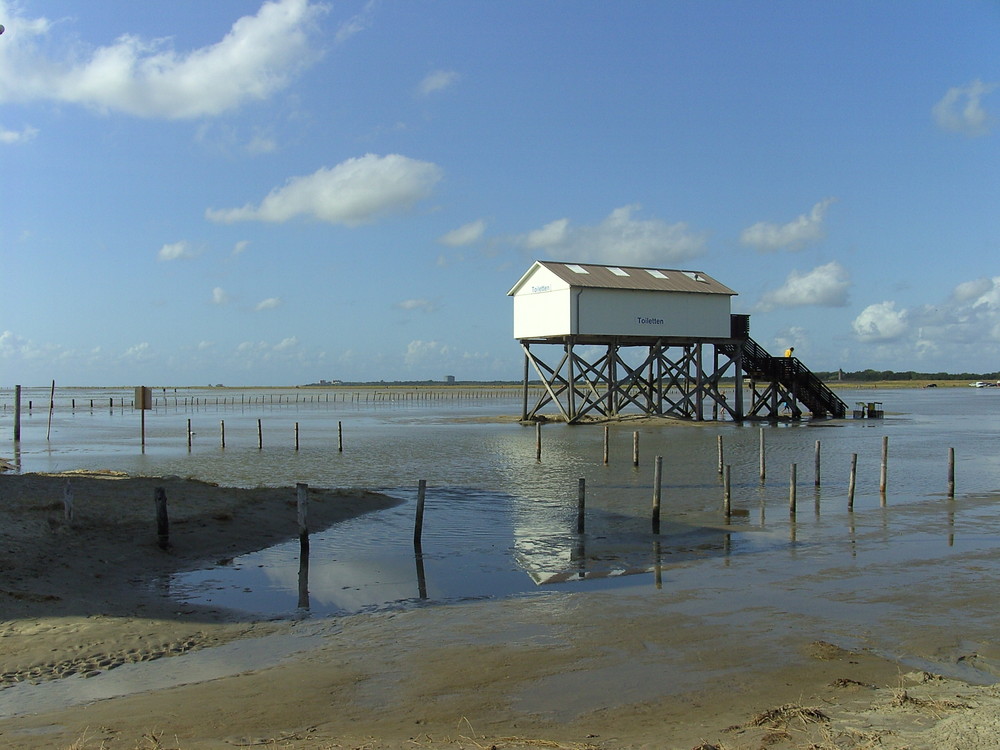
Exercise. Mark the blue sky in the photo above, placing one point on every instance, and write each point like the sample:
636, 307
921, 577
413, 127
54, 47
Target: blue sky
250, 193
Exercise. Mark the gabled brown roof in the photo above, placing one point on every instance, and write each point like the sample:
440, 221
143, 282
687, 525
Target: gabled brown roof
630, 277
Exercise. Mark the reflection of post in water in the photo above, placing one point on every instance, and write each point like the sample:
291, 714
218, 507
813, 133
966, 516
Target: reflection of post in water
657, 566
302, 508
304, 572
951, 521
579, 554
853, 536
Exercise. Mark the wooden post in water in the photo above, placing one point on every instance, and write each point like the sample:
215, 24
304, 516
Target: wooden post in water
162, 522
791, 489
763, 472
418, 526
657, 485
884, 474
538, 441
817, 482
581, 505
340, 437
951, 472
719, 441
727, 498
52, 405
606, 439
635, 448
17, 414
260, 435
222, 431
189, 433
852, 482
296, 436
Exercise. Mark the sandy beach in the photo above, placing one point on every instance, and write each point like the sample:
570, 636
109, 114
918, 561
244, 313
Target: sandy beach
82, 600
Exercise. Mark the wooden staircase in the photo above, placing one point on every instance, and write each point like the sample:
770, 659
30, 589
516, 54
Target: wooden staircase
787, 380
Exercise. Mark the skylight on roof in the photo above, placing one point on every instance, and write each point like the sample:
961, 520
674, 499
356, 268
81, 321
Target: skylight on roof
696, 276
656, 274
617, 271
576, 269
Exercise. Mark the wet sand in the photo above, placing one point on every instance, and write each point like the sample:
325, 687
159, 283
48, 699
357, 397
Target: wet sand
84, 602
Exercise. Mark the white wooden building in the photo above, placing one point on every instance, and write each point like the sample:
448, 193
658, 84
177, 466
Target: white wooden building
553, 300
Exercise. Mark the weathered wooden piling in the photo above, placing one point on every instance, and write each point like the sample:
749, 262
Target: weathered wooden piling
538, 441
852, 482
607, 433
581, 505
340, 437
418, 526
222, 432
951, 472
792, 480
17, 414
720, 451
657, 486
727, 497
189, 433
817, 480
296, 436
884, 473
635, 448
260, 435
763, 468
162, 521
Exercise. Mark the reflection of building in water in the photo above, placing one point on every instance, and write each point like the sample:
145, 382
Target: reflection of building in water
655, 341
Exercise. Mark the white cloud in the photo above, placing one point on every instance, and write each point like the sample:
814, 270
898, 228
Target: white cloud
796, 234
355, 24
961, 109
288, 343
466, 234
823, 286
149, 78
12, 137
620, 238
268, 304
175, 251
219, 296
437, 80
138, 353
354, 192
240, 246
419, 352
881, 322
262, 144
424, 305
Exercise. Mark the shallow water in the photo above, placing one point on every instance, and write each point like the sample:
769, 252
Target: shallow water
914, 575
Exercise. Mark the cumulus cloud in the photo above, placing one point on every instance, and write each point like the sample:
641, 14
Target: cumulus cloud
796, 234
880, 322
355, 24
466, 234
287, 343
240, 246
437, 80
619, 238
418, 352
268, 304
823, 286
961, 109
13, 137
259, 55
354, 192
219, 296
175, 251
